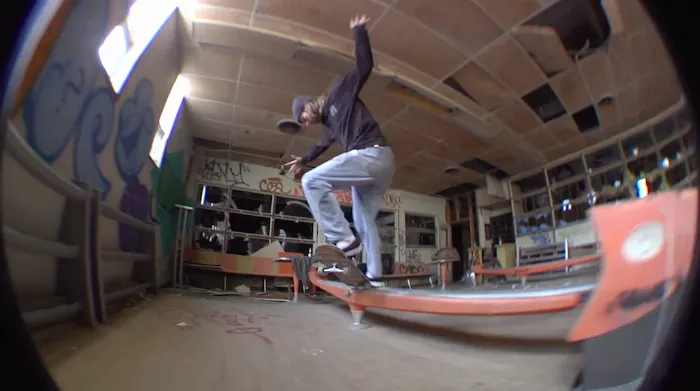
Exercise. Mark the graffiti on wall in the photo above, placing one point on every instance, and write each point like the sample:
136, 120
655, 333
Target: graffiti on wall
231, 173
541, 238
71, 101
63, 94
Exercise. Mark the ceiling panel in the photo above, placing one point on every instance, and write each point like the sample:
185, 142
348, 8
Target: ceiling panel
216, 111
518, 117
212, 89
399, 36
508, 12
461, 22
211, 61
456, 56
327, 15
264, 98
509, 62
571, 89
284, 75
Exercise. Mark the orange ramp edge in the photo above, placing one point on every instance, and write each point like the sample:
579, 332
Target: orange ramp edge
534, 269
628, 284
362, 299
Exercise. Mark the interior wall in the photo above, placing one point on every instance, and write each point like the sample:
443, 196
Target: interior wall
73, 120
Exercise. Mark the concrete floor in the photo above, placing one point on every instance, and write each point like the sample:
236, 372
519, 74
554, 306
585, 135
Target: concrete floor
181, 342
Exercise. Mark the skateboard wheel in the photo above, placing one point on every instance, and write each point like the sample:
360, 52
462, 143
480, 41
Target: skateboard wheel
320, 272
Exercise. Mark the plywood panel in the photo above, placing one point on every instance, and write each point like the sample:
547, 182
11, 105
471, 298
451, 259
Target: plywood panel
305, 34
597, 72
222, 15
571, 89
545, 47
511, 64
541, 138
563, 128
399, 37
459, 101
487, 91
210, 110
446, 151
247, 5
283, 75
325, 60
381, 105
248, 40
259, 139
250, 117
518, 117
621, 61
642, 54
212, 61
464, 23
628, 101
328, 15
265, 99
439, 129
212, 89
508, 12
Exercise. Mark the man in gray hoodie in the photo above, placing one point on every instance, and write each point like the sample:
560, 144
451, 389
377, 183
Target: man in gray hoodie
366, 166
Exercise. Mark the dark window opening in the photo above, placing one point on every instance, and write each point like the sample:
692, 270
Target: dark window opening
582, 25
528, 184
545, 103
587, 119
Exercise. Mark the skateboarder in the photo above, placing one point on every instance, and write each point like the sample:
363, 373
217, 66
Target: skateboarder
367, 165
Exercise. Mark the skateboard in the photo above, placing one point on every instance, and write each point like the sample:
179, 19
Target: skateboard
330, 261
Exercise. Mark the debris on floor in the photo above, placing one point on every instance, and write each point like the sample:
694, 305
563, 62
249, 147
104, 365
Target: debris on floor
242, 289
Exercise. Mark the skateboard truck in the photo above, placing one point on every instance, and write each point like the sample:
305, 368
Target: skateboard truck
333, 269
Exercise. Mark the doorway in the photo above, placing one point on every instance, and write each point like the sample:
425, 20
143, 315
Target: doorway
460, 241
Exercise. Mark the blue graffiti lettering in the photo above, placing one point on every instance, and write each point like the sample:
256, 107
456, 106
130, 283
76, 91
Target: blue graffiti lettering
95, 127
135, 131
55, 101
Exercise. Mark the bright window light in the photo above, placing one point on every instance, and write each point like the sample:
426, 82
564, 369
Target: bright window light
180, 89
145, 19
642, 188
113, 49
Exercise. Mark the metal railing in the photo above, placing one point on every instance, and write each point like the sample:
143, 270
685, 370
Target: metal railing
78, 251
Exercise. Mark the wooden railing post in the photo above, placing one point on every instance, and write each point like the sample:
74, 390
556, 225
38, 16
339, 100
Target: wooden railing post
74, 277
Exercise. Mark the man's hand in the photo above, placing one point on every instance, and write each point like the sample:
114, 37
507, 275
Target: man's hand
358, 20
295, 166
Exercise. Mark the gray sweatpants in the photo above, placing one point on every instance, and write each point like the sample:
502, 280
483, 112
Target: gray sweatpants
368, 172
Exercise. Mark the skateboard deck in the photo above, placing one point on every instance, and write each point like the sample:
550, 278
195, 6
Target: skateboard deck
330, 261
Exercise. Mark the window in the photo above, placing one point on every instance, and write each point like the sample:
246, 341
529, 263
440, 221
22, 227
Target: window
126, 43
421, 231
180, 89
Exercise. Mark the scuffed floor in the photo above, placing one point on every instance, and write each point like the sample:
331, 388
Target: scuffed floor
183, 343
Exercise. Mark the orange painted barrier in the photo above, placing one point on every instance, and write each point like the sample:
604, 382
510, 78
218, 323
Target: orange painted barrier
648, 246
453, 303
522, 271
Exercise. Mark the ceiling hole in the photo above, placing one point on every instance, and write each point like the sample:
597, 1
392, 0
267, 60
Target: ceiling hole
483, 167
545, 103
460, 189
451, 170
586, 119
582, 25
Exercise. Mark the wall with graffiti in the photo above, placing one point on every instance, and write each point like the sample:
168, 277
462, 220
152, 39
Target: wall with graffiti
71, 117
253, 177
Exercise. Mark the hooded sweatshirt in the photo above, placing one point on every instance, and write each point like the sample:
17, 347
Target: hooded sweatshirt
345, 117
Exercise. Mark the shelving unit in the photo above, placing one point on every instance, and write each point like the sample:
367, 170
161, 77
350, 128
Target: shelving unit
653, 158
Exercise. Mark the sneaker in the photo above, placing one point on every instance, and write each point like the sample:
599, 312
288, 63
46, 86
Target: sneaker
376, 284
351, 247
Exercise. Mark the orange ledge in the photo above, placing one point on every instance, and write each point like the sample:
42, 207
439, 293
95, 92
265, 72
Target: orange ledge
535, 269
449, 303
